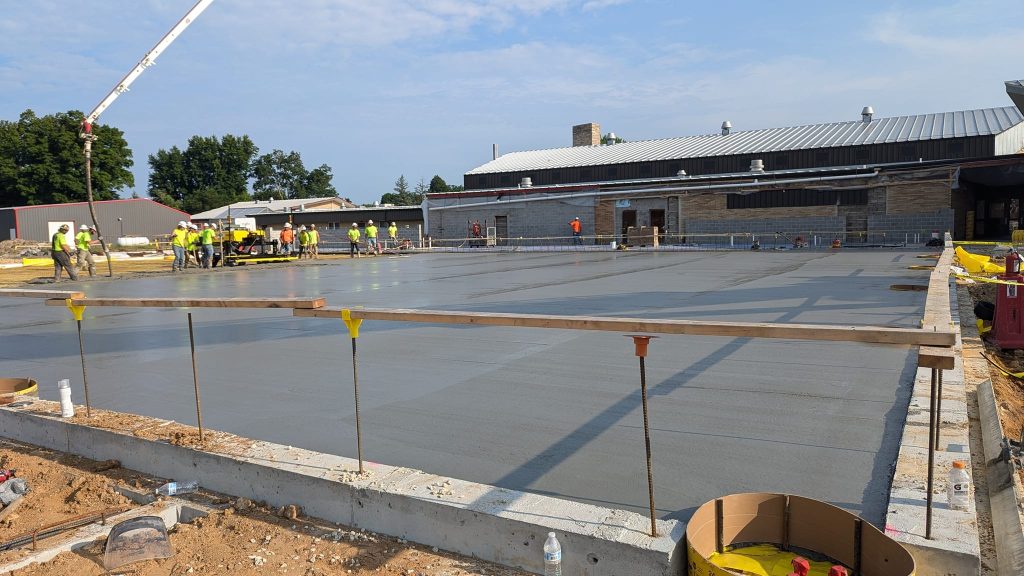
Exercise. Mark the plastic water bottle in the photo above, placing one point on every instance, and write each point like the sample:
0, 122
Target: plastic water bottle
959, 486
552, 556
67, 409
173, 488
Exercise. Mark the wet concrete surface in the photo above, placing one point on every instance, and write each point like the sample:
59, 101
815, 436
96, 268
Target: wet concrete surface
549, 411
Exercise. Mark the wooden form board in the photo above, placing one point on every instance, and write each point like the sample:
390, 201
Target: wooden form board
305, 303
937, 315
873, 334
15, 293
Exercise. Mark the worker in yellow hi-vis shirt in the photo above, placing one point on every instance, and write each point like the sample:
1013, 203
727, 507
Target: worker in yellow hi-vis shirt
61, 254
82, 241
179, 241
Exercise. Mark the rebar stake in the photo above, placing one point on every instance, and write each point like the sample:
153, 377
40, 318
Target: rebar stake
640, 344
931, 457
195, 377
353, 331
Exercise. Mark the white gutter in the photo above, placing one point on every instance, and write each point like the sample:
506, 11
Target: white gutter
656, 192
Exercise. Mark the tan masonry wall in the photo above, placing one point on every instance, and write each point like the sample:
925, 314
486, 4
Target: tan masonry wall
604, 217
911, 198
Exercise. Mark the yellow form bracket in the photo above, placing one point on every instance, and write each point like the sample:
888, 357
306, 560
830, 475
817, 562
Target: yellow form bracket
353, 325
78, 311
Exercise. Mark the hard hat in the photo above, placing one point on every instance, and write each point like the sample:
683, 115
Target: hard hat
303, 227
287, 224
576, 218
182, 224
64, 227
83, 227
369, 221
193, 226
206, 224
392, 223
354, 225
214, 226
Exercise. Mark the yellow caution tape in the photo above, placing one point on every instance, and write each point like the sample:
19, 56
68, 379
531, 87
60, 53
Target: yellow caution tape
988, 280
1001, 368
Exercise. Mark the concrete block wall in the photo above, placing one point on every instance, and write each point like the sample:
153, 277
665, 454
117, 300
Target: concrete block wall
643, 207
898, 226
538, 218
806, 227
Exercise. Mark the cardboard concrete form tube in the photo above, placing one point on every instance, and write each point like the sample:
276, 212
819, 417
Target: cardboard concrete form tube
759, 518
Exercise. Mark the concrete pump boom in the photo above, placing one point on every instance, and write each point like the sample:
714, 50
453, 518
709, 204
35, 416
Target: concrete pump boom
148, 60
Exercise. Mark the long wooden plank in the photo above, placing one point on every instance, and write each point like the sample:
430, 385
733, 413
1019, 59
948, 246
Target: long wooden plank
872, 334
17, 293
936, 309
932, 357
304, 303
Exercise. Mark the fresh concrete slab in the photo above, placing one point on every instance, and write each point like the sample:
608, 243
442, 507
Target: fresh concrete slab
545, 411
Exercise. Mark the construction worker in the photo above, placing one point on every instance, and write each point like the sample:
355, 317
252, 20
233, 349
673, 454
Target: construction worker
393, 235
179, 241
82, 241
314, 242
287, 237
577, 231
303, 242
192, 244
206, 241
371, 238
353, 240
61, 254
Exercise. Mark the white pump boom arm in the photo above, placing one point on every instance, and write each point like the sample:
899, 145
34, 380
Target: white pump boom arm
148, 60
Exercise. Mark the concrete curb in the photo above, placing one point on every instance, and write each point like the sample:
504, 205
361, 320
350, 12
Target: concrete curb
954, 549
1004, 494
494, 524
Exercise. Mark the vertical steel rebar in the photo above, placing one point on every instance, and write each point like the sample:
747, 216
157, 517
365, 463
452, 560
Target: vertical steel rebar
355, 387
938, 412
85, 379
195, 376
931, 457
647, 443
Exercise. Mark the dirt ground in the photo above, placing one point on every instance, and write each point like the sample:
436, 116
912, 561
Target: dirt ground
240, 537
32, 276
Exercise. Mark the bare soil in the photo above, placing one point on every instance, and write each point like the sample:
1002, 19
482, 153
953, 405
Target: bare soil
240, 537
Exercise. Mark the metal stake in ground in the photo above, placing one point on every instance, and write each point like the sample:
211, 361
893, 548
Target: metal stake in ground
931, 457
640, 345
195, 376
353, 331
78, 311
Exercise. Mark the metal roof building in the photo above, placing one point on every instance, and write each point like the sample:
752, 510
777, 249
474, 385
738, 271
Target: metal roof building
949, 135
128, 217
254, 207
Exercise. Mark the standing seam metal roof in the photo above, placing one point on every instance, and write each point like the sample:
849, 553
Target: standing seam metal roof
962, 124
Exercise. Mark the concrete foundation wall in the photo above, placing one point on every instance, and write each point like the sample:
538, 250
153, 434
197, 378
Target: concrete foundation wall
539, 218
477, 520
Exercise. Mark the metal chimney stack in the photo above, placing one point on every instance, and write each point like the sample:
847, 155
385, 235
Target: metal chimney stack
726, 127
867, 113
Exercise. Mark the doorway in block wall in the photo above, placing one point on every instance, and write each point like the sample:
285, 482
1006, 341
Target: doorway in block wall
501, 230
628, 220
658, 220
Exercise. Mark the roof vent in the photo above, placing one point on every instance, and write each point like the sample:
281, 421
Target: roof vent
526, 182
726, 127
681, 173
611, 139
867, 113
757, 165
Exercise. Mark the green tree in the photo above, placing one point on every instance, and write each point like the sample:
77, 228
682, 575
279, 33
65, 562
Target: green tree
318, 183
279, 176
437, 184
41, 160
608, 139
207, 174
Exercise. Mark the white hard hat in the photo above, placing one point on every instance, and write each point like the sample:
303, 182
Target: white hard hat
369, 221
83, 227
303, 227
206, 224
214, 226
287, 224
182, 224
392, 223
354, 225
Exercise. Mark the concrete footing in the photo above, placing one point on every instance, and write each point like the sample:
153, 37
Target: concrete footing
954, 548
494, 524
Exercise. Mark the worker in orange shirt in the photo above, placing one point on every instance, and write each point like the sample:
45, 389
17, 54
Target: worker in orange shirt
287, 237
577, 231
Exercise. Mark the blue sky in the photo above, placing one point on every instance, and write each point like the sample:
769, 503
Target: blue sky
379, 88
